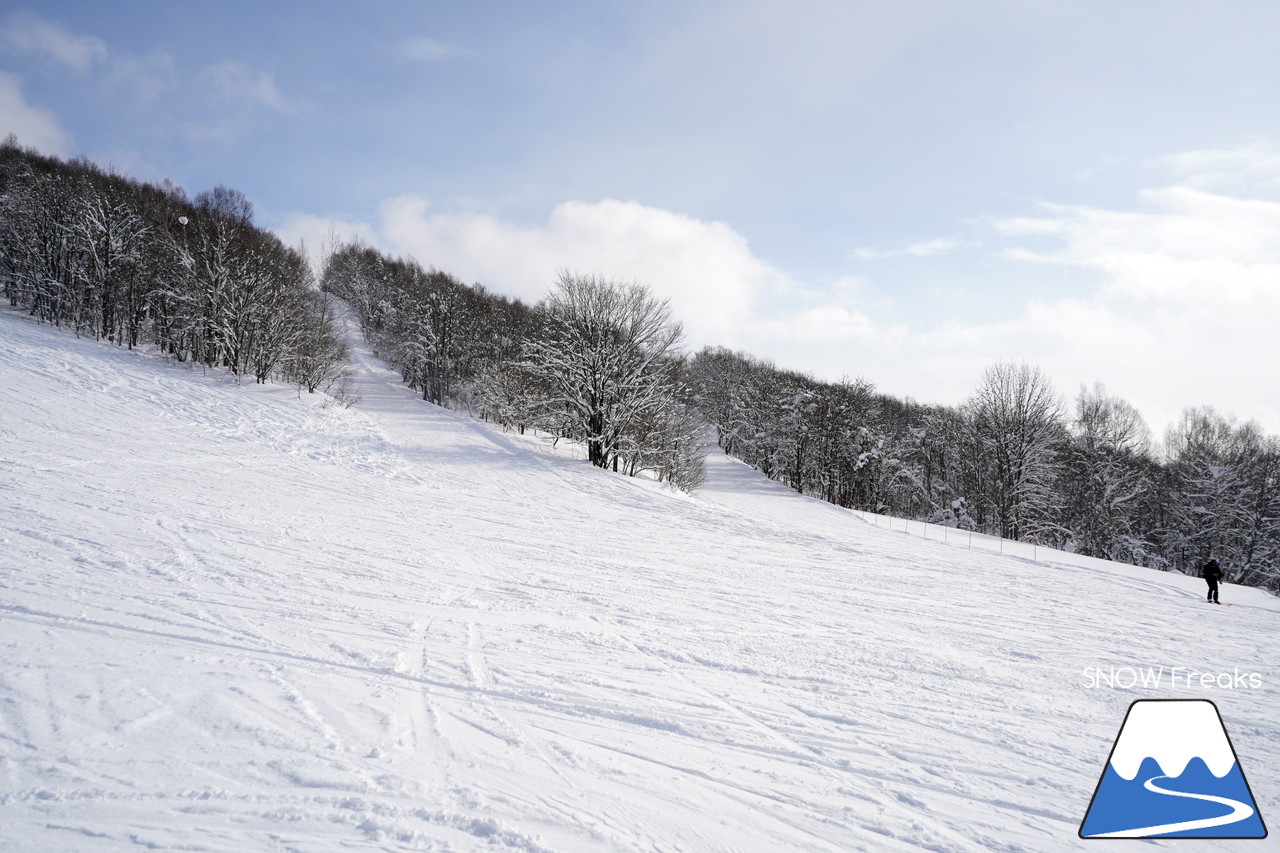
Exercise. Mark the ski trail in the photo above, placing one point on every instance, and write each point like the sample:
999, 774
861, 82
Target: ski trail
1239, 812
236, 613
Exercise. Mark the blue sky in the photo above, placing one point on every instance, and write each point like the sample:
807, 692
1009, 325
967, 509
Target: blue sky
904, 191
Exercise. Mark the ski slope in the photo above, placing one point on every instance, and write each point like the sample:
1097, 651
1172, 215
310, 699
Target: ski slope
235, 619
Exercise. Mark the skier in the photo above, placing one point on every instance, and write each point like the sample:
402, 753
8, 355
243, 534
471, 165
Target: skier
1212, 574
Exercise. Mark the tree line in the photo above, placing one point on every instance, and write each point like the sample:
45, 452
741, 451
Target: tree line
132, 263
1014, 460
129, 262
602, 363
598, 362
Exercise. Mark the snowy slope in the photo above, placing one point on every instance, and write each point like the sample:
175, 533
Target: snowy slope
231, 619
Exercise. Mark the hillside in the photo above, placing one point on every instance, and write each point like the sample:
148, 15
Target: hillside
235, 619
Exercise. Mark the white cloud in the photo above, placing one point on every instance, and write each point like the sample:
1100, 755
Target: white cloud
830, 324
1172, 301
238, 82
33, 126
719, 289
923, 249
1180, 302
1186, 249
706, 269
849, 290
1028, 226
149, 75
428, 50
320, 234
1251, 167
1187, 303
28, 33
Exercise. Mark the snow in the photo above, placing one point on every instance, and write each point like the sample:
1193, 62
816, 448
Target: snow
236, 619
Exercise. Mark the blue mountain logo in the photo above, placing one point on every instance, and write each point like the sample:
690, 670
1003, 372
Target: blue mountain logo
1173, 773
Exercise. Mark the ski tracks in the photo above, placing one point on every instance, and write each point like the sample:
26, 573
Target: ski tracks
902, 809
478, 727
516, 733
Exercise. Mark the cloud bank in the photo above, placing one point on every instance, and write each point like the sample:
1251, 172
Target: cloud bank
237, 82
33, 126
28, 34
716, 284
1187, 303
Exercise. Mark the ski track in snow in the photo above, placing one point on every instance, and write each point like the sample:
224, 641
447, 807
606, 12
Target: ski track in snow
235, 619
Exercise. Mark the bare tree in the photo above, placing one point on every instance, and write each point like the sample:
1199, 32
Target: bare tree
1017, 422
1226, 503
320, 358
1105, 475
607, 355
109, 257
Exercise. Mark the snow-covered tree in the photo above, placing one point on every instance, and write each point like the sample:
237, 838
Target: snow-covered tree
607, 354
1225, 478
1018, 430
319, 359
128, 262
1104, 476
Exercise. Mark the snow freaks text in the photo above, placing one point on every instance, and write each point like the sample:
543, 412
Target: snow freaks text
1157, 678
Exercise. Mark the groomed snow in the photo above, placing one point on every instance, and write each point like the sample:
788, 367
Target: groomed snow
232, 619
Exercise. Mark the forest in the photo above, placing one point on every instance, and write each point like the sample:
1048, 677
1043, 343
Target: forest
129, 263
1014, 460
596, 361
604, 363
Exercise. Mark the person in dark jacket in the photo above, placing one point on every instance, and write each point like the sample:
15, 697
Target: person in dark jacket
1212, 574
